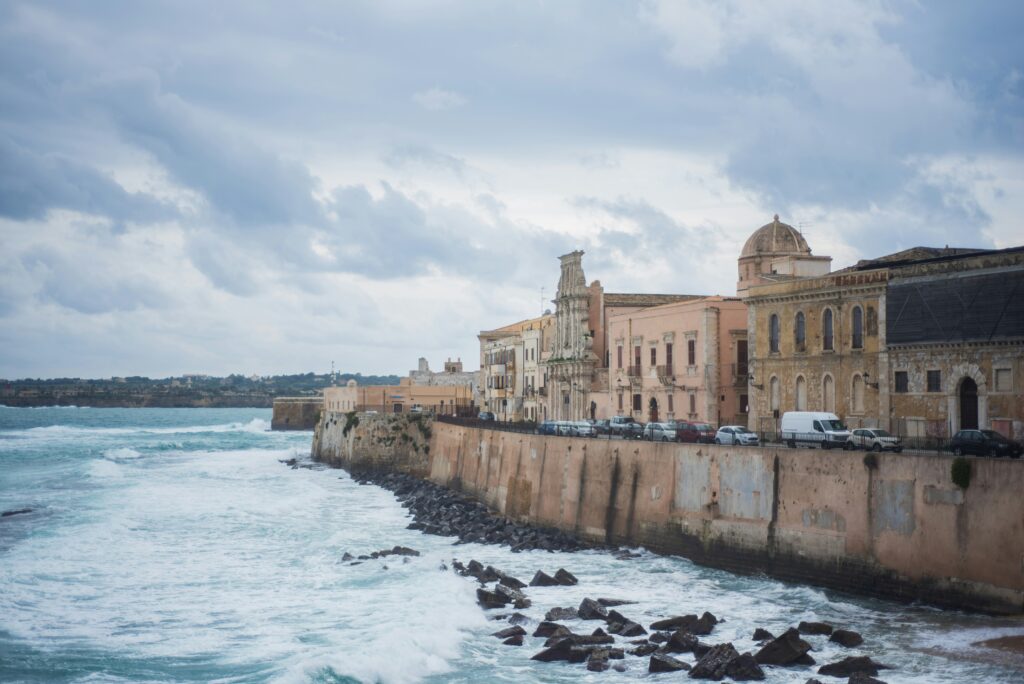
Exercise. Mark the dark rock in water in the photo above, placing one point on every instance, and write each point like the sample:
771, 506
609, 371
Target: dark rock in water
560, 614
510, 581
611, 603
514, 640
701, 649
861, 678
364, 558
510, 632
403, 551
691, 623
644, 649
599, 632
762, 635
542, 579
848, 666
615, 616
666, 663
598, 661
560, 650
522, 604
509, 593
458, 567
783, 650
518, 619
680, 641
814, 628
591, 610
805, 659
347, 556
592, 639
565, 578
744, 668
490, 599
660, 637
712, 665
488, 574
846, 637
547, 629
627, 555
474, 567
812, 680
616, 653
632, 629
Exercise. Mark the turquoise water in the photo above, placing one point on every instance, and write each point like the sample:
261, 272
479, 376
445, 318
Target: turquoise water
171, 545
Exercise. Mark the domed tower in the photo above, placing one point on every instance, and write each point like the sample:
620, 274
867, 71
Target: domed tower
777, 251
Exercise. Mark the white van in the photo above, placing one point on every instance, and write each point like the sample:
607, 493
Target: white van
814, 428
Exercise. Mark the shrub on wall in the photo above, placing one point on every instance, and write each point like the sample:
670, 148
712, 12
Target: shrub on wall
961, 472
351, 421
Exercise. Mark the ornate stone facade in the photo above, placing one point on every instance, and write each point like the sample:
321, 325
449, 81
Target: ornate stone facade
570, 368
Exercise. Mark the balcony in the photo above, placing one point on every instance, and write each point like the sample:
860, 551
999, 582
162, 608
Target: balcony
740, 373
633, 371
542, 391
666, 374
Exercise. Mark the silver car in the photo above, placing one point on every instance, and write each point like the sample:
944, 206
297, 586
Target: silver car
660, 432
582, 428
874, 439
736, 434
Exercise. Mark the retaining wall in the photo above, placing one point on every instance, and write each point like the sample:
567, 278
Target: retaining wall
296, 413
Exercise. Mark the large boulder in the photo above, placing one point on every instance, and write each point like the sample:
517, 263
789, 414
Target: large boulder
550, 629
490, 599
560, 614
666, 663
846, 637
591, 610
691, 623
861, 678
784, 650
680, 641
762, 635
814, 628
712, 665
744, 668
510, 632
542, 579
516, 640
510, 581
848, 666
560, 650
611, 603
565, 578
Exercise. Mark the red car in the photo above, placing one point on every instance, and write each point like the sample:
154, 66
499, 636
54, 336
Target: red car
694, 432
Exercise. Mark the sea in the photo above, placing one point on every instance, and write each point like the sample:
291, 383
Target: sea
175, 545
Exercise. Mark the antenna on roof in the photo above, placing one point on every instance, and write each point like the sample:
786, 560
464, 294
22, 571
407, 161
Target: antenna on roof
542, 300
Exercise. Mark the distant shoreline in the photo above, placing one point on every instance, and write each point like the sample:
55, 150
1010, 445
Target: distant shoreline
138, 402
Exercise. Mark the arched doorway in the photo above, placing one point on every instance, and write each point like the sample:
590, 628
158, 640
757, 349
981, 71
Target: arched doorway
654, 410
968, 404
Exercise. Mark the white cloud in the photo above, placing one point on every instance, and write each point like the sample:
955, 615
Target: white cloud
436, 99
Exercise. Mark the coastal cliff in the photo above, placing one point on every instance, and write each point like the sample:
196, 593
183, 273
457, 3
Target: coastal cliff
888, 525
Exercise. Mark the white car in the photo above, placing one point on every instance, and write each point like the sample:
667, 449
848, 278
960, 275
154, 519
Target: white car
736, 434
582, 428
660, 432
874, 439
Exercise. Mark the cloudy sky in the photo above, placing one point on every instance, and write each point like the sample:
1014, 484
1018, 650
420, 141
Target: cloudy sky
266, 187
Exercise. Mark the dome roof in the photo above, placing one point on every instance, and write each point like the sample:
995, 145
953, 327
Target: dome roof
775, 238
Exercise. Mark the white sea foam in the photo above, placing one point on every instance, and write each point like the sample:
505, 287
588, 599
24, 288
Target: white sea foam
121, 454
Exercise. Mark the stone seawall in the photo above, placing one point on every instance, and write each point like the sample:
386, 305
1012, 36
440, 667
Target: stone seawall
296, 413
897, 529
360, 441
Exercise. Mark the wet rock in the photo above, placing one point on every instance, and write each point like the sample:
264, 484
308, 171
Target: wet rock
627, 555
848, 666
560, 650
680, 641
712, 665
861, 678
813, 681
511, 595
548, 629
744, 668
542, 579
514, 640
556, 614
565, 578
401, 551
666, 663
518, 619
660, 637
474, 568
599, 632
591, 610
515, 630
632, 629
762, 635
846, 637
489, 600
701, 649
347, 556
691, 623
784, 650
805, 659
814, 628
611, 603
510, 581
598, 661
644, 649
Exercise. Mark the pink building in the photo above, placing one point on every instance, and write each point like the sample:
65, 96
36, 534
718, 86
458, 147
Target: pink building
685, 360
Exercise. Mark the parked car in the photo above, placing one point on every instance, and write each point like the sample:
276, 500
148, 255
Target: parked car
581, 428
874, 439
660, 432
694, 432
735, 434
625, 426
548, 427
814, 428
984, 443
415, 408
486, 415
563, 427
602, 427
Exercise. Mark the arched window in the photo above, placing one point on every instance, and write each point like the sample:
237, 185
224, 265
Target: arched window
826, 330
798, 331
858, 327
774, 394
801, 393
858, 393
773, 333
828, 394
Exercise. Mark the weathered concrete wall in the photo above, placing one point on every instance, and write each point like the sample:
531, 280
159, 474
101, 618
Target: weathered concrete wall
393, 441
899, 530
296, 413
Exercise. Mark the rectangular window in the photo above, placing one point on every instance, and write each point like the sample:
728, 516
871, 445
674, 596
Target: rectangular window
668, 354
565, 398
636, 356
620, 401
744, 403
671, 408
934, 381
637, 402
691, 352
693, 403
1004, 380
902, 382
620, 355
654, 356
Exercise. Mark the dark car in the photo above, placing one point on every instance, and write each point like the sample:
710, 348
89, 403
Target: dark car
694, 432
602, 427
486, 415
548, 427
625, 426
983, 443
